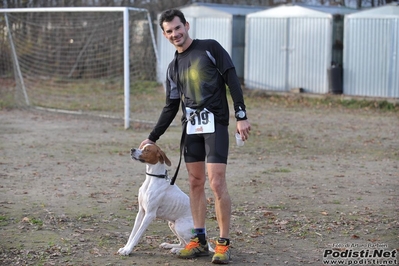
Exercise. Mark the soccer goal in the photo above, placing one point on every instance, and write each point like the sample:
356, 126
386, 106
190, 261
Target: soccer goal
81, 60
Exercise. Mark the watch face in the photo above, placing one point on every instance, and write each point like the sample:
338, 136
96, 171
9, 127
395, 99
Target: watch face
240, 114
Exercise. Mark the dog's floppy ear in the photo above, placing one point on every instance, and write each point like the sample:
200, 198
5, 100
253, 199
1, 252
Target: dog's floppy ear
163, 158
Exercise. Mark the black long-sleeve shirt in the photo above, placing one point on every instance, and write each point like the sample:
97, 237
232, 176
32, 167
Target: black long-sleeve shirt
199, 76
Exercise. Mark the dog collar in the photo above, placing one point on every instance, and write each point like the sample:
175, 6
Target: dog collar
160, 176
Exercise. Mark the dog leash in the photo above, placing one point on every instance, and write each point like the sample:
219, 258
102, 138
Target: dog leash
182, 140
183, 135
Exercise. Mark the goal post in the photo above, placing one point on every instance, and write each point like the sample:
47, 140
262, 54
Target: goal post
81, 59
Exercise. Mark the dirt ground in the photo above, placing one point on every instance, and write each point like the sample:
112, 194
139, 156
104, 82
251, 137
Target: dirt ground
310, 179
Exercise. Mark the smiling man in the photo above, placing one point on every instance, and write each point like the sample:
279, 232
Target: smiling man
197, 78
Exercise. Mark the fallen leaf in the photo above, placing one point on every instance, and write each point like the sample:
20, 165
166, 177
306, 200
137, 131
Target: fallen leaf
267, 213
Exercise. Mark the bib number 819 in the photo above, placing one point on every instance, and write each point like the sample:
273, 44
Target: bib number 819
200, 122
201, 118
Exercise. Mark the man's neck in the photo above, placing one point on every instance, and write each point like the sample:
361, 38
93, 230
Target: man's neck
187, 43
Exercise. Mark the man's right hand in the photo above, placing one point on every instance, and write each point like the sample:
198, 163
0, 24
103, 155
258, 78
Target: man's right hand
144, 142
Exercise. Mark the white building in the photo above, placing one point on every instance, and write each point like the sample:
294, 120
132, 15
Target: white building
293, 46
371, 52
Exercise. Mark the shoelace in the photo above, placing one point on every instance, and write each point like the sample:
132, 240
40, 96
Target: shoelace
221, 249
192, 244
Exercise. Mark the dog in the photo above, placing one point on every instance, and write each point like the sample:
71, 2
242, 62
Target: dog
158, 199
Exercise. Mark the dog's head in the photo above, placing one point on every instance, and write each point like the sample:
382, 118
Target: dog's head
151, 154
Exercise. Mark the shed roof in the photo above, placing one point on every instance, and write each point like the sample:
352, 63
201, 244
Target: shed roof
378, 12
213, 10
334, 10
302, 11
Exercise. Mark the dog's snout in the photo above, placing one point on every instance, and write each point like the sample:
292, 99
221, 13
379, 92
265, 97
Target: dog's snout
135, 153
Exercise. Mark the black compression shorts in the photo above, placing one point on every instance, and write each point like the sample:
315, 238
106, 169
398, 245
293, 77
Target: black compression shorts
213, 146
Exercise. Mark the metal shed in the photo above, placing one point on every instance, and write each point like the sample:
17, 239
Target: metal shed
224, 23
371, 54
293, 46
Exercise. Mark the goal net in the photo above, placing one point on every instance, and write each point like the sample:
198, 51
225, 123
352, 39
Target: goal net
81, 60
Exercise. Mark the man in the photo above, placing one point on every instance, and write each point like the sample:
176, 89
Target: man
197, 77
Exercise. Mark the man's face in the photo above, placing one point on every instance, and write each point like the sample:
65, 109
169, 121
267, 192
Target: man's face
176, 32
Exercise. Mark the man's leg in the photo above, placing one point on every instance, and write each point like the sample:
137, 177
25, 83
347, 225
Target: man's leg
196, 177
217, 182
198, 245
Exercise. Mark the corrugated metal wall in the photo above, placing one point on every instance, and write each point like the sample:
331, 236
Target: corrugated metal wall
371, 57
286, 53
310, 57
395, 60
165, 55
265, 54
219, 29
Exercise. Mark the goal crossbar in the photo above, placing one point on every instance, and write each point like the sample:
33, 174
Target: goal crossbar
126, 33
70, 9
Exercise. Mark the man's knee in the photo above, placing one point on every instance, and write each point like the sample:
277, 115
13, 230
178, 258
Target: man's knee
196, 182
218, 185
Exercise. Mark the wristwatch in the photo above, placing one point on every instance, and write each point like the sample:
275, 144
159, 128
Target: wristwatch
241, 115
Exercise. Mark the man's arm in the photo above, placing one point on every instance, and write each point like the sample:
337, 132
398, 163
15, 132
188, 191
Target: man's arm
231, 79
243, 126
165, 119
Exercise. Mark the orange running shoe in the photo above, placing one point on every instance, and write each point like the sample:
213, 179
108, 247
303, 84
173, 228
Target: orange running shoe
194, 249
222, 252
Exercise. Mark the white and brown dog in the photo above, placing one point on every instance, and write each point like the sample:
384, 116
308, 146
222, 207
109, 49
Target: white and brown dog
158, 199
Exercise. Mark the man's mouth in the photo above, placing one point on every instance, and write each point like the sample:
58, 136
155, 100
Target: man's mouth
177, 39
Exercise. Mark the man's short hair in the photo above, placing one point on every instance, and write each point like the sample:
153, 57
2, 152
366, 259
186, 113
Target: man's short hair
169, 15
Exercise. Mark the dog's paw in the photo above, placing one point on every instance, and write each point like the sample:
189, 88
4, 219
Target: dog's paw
175, 250
165, 246
170, 246
124, 251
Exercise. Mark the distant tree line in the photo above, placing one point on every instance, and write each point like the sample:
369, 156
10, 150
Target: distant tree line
157, 6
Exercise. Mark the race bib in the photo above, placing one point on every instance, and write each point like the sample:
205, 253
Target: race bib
199, 122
